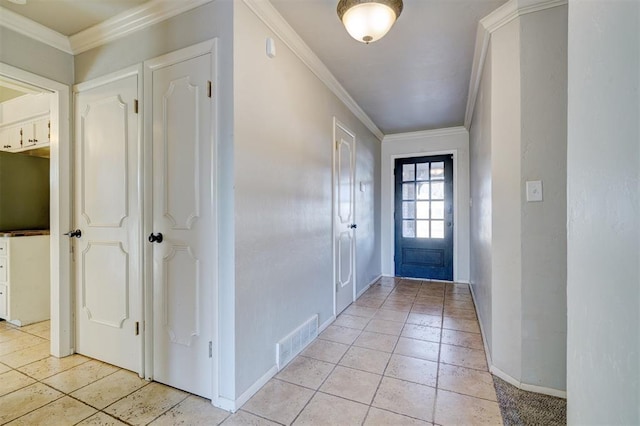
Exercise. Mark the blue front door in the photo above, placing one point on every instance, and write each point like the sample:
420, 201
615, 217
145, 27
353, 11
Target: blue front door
424, 217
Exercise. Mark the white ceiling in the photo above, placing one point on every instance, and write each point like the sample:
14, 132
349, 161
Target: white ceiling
415, 78
69, 17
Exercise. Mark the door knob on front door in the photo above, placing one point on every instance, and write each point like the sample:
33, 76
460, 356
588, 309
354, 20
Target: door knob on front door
76, 233
353, 226
155, 238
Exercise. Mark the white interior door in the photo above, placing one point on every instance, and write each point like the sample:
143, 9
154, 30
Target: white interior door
344, 220
107, 213
183, 261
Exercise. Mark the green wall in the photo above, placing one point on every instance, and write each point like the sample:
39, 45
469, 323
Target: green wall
24, 192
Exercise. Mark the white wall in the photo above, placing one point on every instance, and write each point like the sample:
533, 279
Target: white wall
518, 271
543, 66
30, 55
480, 212
283, 143
506, 294
603, 359
368, 204
432, 142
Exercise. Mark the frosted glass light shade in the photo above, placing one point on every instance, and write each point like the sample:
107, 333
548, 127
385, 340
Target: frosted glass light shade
369, 20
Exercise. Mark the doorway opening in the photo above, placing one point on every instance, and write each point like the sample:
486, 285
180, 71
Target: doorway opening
59, 200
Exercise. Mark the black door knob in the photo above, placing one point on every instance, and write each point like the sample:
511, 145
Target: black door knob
155, 238
76, 233
353, 226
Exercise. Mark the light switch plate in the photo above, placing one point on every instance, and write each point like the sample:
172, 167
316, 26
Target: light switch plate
534, 190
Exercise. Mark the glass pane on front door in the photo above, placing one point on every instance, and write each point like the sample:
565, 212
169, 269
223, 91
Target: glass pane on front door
423, 182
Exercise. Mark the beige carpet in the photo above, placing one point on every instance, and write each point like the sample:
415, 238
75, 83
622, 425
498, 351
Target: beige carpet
520, 407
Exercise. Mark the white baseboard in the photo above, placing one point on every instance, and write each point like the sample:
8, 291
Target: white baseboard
366, 287
225, 404
482, 333
326, 324
432, 280
425, 279
506, 377
527, 387
544, 390
233, 406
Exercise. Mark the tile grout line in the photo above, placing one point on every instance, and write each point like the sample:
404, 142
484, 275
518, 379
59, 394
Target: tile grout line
332, 370
68, 394
32, 378
164, 412
382, 376
435, 397
350, 345
373, 398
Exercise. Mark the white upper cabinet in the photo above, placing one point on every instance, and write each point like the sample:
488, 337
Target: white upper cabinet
24, 123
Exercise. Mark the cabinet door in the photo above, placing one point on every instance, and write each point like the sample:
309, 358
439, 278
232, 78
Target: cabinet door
3, 301
3, 269
41, 131
28, 134
4, 139
11, 138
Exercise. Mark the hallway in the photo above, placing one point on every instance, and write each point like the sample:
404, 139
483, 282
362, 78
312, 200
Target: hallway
406, 352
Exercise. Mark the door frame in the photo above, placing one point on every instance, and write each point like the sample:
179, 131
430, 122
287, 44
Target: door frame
86, 85
60, 174
338, 123
199, 49
391, 206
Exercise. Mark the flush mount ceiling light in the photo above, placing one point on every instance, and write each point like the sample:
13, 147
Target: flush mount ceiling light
369, 20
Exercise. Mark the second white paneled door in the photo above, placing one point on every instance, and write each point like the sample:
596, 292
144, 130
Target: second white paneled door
183, 232
344, 216
107, 243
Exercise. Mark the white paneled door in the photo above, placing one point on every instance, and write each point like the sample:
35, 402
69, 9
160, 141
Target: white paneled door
107, 216
344, 216
183, 232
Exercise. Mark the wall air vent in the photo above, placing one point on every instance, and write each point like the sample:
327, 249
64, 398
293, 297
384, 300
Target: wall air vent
296, 341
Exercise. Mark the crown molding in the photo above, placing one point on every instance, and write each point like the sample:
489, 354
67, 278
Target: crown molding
130, 21
33, 30
265, 11
487, 25
425, 134
121, 25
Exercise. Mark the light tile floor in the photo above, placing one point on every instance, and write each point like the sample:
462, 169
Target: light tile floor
405, 353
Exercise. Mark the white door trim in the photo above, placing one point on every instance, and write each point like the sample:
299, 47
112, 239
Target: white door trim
391, 205
108, 78
60, 207
337, 123
203, 48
